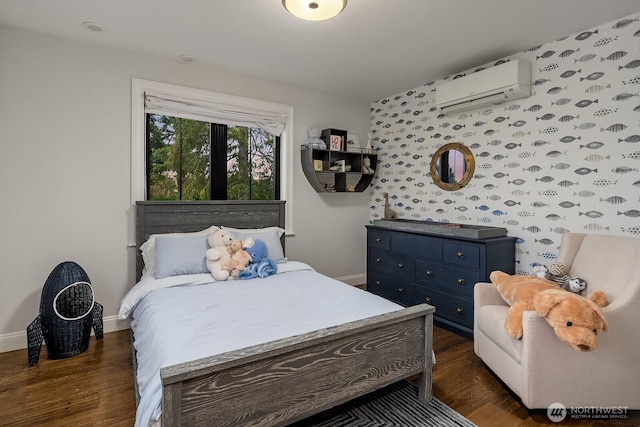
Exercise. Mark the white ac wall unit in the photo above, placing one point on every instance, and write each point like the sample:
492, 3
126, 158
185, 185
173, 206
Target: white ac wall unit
505, 82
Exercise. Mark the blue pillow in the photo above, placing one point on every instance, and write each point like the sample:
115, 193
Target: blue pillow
176, 256
270, 235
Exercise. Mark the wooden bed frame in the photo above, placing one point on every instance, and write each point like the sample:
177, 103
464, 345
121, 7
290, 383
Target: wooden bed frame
284, 381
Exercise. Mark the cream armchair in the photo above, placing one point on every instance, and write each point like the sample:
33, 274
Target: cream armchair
540, 368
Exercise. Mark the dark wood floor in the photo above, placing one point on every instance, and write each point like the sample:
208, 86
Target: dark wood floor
95, 388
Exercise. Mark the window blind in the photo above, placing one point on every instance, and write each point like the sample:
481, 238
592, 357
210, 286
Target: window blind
215, 112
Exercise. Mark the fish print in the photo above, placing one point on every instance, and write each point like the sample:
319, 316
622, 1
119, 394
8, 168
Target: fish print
585, 35
631, 213
618, 127
585, 193
567, 118
632, 139
597, 88
569, 73
623, 23
593, 76
561, 101
631, 65
633, 230
623, 96
615, 56
604, 41
596, 157
585, 58
614, 200
595, 227
585, 103
632, 81
593, 145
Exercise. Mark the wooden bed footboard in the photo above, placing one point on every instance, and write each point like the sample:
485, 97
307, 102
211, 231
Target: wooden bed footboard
283, 381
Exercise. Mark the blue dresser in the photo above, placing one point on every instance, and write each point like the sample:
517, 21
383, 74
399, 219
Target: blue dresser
411, 268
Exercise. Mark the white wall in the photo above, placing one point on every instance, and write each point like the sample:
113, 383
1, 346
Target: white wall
65, 169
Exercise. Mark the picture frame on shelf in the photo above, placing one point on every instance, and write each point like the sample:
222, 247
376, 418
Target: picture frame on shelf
335, 139
353, 143
335, 143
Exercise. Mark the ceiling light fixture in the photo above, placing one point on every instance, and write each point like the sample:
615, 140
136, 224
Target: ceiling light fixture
92, 26
187, 59
314, 10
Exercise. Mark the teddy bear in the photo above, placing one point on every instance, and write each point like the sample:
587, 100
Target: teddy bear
574, 318
261, 265
239, 257
218, 256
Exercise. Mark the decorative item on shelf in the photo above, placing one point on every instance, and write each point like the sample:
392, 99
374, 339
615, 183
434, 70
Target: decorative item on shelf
317, 165
338, 166
368, 148
330, 187
353, 143
351, 189
366, 165
314, 141
335, 139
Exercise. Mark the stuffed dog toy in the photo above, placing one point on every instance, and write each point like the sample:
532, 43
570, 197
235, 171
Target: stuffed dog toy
574, 319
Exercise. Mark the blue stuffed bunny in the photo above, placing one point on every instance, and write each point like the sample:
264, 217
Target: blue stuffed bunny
261, 265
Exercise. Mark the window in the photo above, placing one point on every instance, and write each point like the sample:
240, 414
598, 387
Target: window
195, 160
215, 111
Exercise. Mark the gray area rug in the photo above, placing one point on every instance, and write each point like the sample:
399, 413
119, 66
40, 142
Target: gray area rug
394, 405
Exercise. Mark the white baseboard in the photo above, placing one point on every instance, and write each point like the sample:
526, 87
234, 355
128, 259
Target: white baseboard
18, 340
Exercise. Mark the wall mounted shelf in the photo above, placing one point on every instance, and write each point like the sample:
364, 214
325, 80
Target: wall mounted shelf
330, 171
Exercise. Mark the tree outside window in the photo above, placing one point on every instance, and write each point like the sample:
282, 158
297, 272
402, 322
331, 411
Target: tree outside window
194, 160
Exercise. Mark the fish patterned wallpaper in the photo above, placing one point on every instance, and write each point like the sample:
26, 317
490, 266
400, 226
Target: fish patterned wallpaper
567, 158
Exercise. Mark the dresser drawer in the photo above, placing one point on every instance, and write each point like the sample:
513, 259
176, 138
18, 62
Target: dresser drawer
390, 287
455, 309
461, 254
393, 263
377, 239
457, 281
417, 245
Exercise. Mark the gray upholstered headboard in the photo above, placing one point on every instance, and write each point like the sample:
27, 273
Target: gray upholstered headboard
155, 217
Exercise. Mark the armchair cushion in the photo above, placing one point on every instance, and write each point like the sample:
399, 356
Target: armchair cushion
491, 323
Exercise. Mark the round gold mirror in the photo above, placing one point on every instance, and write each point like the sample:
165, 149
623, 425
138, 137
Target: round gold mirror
452, 166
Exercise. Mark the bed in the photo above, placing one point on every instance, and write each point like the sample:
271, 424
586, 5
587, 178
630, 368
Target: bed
253, 365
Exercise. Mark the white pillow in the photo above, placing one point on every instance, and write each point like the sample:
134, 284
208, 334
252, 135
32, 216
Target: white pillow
148, 247
270, 236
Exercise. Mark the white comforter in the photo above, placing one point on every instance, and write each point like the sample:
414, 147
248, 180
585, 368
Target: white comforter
174, 323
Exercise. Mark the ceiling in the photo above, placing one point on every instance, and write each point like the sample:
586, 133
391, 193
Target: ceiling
374, 49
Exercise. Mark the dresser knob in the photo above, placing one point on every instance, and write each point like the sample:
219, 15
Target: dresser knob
460, 254
400, 265
428, 300
378, 240
401, 290
460, 310
378, 259
378, 282
461, 280
429, 273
